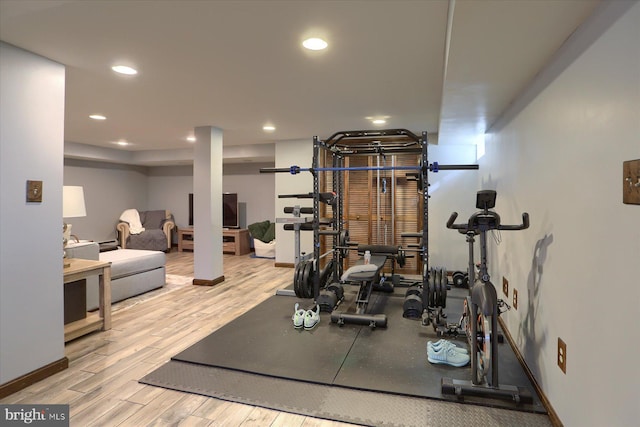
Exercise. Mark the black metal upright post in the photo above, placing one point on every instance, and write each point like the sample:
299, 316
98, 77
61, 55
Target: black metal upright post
316, 217
424, 176
336, 182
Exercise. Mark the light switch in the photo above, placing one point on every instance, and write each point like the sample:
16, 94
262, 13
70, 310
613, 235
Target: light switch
631, 182
34, 191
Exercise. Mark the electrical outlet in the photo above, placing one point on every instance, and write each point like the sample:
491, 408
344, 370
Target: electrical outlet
515, 299
562, 355
505, 286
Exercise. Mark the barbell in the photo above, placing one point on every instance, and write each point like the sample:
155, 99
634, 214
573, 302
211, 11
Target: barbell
433, 167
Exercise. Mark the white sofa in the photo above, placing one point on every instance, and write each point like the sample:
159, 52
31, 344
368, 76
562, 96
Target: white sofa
133, 271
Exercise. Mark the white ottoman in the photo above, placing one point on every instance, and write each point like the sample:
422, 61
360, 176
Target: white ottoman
133, 272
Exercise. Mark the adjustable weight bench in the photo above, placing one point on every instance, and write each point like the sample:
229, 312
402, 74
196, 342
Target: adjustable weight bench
367, 275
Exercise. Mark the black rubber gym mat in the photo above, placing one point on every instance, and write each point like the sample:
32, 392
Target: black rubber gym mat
264, 341
395, 360
334, 403
390, 360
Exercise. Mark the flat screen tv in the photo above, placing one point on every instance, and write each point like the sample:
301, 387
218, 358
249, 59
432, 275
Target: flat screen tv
230, 218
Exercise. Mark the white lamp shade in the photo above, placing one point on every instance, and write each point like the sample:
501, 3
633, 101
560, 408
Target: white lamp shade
73, 202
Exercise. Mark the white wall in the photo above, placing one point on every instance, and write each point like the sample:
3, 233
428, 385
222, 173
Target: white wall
109, 189
576, 269
169, 188
289, 153
450, 191
31, 148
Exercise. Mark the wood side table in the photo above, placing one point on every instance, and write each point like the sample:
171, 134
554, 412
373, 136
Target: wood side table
236, 241
185, 238
101, 320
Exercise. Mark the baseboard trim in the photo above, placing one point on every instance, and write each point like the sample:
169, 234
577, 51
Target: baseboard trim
205, 282
284, 264
553, 415
33, 377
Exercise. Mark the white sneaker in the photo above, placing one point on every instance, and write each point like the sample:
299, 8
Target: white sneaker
311, 318
436, 346
298, 317
448, 356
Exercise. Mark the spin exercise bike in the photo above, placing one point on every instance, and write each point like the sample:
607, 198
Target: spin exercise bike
481, 310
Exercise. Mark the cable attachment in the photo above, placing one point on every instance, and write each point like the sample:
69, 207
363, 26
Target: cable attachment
294, 170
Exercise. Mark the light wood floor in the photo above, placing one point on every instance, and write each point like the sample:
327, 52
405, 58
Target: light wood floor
101, 385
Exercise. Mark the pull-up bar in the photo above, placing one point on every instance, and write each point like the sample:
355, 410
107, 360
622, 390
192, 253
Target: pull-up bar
433, 167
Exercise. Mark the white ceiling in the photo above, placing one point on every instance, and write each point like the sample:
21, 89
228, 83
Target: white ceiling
448, 67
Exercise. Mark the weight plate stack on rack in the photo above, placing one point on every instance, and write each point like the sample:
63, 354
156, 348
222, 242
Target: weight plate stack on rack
444, 283
432, 287
297, 280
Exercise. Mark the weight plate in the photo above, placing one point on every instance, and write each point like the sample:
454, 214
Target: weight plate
312, 274
443, 288
438, 286
304, 278
434, 303
458, 279
436, 297
297, 280
432, 287
308, 284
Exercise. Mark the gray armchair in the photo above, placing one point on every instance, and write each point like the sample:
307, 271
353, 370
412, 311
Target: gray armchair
156, 235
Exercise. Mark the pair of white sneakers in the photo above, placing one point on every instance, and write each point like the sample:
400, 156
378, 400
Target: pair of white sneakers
307, 319
447, 353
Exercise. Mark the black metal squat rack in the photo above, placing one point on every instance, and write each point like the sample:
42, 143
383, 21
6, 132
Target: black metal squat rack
344, 144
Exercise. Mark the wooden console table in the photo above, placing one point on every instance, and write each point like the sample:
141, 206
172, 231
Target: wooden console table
101, 320
236, 241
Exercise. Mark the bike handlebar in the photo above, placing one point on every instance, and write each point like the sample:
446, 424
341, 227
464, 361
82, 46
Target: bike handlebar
452, 219
467, 226
523, 226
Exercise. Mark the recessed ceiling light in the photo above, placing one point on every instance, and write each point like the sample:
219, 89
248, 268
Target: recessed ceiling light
122, 143
314, 43
378, 120
97, 117
191, 138
268, 128
123, 69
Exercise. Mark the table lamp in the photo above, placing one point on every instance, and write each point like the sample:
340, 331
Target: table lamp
72, 207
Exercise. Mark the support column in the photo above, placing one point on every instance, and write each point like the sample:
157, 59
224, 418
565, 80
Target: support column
207, 206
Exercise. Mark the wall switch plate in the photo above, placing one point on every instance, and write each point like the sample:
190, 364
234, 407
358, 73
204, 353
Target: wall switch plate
34, 191
505, 286
515, 299
631, 182
562, 355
